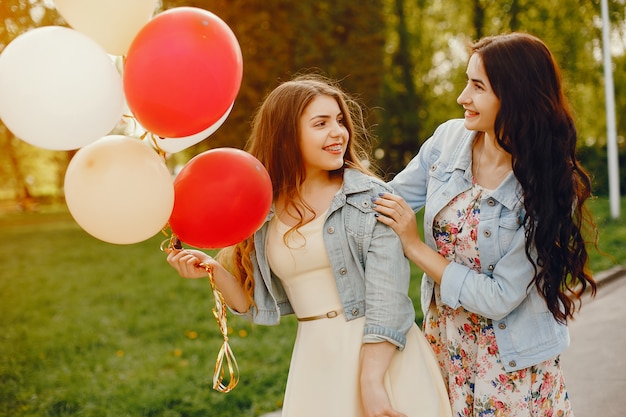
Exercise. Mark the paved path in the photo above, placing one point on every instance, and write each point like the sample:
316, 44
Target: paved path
595, 363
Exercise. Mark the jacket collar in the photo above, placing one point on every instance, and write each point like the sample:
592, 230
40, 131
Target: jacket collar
461, 159
353, 182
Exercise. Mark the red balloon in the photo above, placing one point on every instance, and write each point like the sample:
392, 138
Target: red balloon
221, 197
182, 72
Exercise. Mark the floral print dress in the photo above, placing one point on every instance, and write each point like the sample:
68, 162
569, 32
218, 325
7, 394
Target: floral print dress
465, 343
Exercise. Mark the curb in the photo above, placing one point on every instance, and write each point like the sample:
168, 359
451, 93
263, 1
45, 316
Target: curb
276, 413
610, 275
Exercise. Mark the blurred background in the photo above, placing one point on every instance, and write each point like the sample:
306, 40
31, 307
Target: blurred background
92, 329
405, 60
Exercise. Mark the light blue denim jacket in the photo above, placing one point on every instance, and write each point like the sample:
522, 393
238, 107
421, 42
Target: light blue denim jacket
367, 260
526, 331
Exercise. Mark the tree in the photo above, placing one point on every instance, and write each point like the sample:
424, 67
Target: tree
18, 17
341, 39
404, 59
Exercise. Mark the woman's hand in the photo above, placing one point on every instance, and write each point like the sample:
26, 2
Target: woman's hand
376, 402
396, 213
190, 263
375, 361
187, 262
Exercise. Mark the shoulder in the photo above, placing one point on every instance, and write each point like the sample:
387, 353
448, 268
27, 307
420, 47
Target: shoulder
451, 134
450, 143
356, 181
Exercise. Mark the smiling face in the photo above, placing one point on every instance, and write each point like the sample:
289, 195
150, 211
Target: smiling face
323, 135
478, 98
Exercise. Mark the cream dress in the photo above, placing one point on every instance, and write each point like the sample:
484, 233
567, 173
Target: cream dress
324, 372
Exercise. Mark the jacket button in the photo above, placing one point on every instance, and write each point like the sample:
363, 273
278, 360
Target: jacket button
491, 267
502, 326
487, 233
491, 202
330, 230
343, 271
512, 364
365, 203
433, 167
355, 311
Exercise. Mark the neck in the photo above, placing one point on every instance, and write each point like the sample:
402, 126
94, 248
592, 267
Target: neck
315, 197
490, 163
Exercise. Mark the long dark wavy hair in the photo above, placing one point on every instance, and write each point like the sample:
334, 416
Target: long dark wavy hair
535, 125
275, 141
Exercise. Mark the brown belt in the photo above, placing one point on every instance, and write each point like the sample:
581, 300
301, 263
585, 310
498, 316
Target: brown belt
331, 314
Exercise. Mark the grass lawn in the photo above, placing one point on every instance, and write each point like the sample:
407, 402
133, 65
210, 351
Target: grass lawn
89, 328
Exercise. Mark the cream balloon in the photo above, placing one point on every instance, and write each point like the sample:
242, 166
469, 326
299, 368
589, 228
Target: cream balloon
59, 89
111, 23
119, 190
173, 145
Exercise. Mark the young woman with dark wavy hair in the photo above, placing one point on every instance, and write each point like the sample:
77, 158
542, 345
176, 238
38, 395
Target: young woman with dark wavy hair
506, 232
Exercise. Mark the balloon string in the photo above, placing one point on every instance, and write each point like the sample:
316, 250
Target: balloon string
225, 351
160, 151
151, 136
173, 243
132, 119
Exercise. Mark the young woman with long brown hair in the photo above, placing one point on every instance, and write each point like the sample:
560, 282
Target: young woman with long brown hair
323, 255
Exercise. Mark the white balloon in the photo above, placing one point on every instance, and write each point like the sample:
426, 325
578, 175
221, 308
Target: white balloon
112, 23
119, 190
59, 89
173, 145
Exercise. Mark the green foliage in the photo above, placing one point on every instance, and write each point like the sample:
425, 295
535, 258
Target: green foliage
342, 39
594, 159
404, 59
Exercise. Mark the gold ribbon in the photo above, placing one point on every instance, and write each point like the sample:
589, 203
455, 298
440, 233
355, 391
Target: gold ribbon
225, 351
219, 311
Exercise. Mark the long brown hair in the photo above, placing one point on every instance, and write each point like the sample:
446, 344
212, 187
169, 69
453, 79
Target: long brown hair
535, 125
274, 141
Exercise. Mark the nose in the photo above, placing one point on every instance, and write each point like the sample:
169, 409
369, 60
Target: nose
337, 129
463, 98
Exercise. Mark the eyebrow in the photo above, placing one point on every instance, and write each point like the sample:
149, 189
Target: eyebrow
476, 80
325, 116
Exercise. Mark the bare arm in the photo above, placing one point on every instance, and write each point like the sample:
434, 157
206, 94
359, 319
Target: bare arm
187, 264
396, 213
375, 360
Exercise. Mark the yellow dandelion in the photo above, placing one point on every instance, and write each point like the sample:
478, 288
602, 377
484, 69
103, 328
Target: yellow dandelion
230, 330
178, 353
191, 334
243, 333
119, 353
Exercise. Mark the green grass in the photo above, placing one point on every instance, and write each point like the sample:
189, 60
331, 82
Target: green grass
612, 235
89, 328
93, 329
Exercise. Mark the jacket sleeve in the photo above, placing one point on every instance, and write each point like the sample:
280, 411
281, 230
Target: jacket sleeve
410, 183
389, 309
491, 296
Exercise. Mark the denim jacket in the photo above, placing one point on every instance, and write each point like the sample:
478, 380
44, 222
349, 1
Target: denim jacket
526, 331
370, 269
